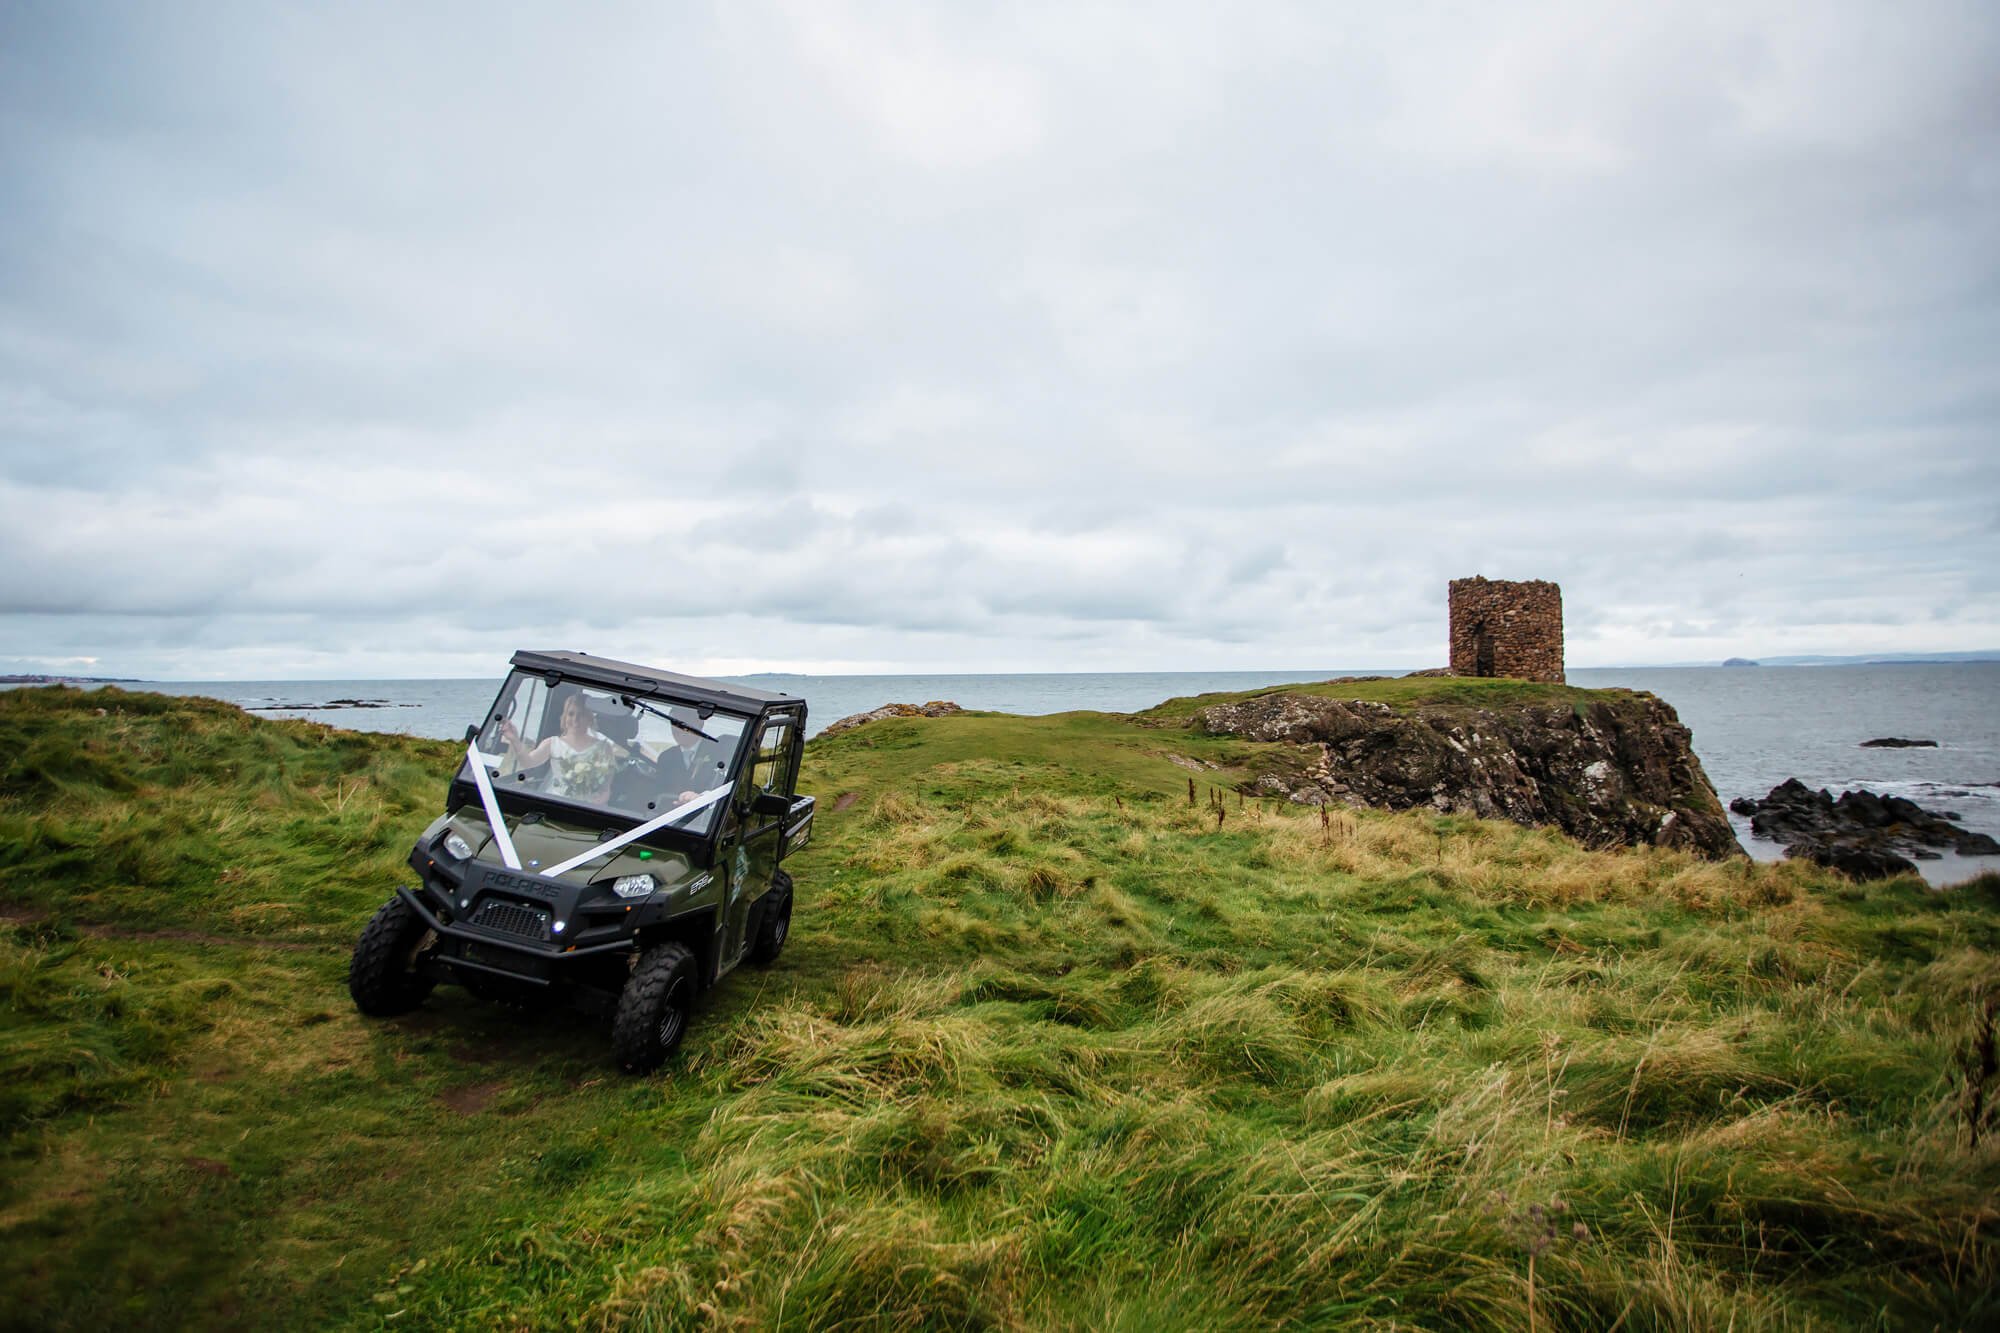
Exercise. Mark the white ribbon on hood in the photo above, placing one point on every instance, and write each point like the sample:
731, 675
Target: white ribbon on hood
492, 804
506, 844
698, 804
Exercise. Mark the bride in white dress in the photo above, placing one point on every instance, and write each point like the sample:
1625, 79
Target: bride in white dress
580, 759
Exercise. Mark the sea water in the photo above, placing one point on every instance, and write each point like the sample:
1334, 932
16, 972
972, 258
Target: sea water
1753, 726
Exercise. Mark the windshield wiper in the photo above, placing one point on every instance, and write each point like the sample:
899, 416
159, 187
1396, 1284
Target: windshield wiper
665, 716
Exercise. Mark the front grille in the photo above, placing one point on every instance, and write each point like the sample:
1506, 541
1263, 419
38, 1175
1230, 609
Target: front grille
512, 919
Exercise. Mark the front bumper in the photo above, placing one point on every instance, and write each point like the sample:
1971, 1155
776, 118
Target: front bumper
493, 921
490, 951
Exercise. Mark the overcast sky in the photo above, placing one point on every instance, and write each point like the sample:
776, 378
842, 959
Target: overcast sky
351, 341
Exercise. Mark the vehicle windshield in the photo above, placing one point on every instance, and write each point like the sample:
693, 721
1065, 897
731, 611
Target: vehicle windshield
639, 758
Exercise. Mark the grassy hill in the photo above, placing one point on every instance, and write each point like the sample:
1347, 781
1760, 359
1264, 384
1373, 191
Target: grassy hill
1052, 1045
1401, 692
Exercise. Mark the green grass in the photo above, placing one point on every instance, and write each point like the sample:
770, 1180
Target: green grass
1403, 692
1049, 1047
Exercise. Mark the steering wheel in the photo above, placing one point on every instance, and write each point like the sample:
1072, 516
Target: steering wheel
636, 781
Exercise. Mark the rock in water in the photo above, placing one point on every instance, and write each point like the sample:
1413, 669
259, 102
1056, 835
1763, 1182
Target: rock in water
1897, 743
1868, 835
1857, 861
1618, 768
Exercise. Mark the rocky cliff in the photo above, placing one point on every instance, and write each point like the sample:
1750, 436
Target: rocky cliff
935, 708
1606, 766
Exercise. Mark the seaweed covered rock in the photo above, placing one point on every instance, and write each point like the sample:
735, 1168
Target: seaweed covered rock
1618, 769
1868, 835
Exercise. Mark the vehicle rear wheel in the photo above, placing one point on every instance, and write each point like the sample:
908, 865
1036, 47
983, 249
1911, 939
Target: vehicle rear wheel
774, 922
383, 976
654, 1008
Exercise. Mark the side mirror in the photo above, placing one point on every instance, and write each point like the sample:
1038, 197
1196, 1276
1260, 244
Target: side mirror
770, 803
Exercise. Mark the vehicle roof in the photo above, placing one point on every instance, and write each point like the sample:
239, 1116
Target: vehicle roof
651, 680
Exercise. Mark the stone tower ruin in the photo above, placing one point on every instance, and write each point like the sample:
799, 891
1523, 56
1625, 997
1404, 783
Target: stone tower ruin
1503, 628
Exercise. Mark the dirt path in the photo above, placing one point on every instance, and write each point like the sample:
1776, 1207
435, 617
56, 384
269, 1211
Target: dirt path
15, 916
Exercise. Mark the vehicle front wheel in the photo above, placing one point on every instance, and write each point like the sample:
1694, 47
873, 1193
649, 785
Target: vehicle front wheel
774, 922
654, 1008
383, 976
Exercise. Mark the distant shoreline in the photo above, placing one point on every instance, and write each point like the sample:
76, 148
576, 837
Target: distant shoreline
1889, 660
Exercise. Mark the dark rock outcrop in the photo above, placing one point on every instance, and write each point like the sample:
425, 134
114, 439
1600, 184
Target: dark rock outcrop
935, 708
328, 706
1857, 861
1616, 770
1868, 835
1897, 743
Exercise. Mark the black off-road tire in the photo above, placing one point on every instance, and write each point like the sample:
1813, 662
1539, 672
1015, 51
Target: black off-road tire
382, 977
655, 1008
774, 922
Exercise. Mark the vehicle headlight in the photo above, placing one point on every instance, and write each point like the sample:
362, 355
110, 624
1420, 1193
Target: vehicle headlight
632, 886
458, 846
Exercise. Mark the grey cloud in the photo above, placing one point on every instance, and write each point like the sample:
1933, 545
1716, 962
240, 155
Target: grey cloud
888, 336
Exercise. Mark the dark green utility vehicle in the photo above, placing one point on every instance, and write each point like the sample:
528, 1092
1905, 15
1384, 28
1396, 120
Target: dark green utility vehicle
613, 838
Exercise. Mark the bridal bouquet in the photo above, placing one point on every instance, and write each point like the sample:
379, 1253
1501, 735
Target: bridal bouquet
586, 772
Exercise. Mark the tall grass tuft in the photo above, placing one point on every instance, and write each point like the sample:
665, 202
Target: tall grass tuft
1054, 1045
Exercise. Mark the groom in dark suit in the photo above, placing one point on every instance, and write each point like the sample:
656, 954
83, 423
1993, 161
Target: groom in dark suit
687, 768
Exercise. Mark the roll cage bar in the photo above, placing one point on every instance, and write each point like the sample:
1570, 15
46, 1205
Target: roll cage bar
611, 674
